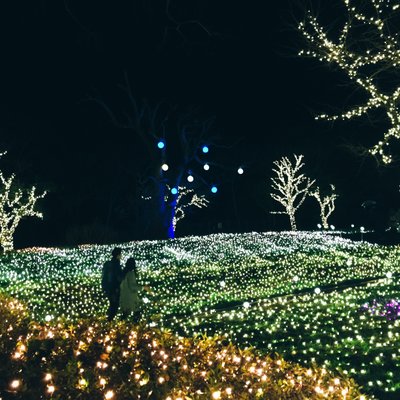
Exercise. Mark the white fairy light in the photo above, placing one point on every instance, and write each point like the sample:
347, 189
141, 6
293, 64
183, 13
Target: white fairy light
326, 203
15, 204
292, 186
363, 61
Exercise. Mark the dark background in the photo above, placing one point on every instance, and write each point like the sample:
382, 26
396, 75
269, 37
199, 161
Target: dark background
243, 69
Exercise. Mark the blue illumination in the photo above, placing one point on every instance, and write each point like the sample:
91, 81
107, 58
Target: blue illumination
205, 149
214, 189
161, 144
174, 190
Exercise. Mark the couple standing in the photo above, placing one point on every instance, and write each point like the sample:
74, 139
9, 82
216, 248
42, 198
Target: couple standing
120, 286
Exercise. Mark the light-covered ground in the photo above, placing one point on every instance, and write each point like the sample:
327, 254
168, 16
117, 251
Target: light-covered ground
305, 295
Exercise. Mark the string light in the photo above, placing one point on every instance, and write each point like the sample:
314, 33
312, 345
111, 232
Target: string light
275, 274
362, 60
326, 203
292, 186
15, 204
186, 198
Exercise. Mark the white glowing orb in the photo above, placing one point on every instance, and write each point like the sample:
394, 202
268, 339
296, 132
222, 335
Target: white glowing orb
317, 290
296, 278
240, 171
190, 178
48, 318
206, 167
389, 275
246, 304
222, 284
164, 167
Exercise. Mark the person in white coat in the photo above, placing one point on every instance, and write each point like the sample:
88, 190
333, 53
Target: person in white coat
129, 301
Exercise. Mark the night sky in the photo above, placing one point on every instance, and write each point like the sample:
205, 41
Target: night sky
58, 56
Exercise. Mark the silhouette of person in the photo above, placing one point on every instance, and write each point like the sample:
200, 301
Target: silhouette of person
111, 280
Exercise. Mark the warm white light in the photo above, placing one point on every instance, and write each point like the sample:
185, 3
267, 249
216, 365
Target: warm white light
292, 187
190, 178
164, 167
15, 384
109, 395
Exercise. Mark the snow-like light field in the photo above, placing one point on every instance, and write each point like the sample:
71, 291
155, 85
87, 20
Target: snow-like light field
312, 297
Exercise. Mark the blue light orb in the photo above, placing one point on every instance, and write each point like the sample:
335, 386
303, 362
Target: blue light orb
174, 190
205, 149
214, 189
161, 144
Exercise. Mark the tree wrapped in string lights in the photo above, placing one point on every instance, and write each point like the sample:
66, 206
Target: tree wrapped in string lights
326, 203
367, 50
186, 198
292, 187
15, 204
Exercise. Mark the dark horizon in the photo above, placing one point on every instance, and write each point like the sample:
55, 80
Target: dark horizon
243, 71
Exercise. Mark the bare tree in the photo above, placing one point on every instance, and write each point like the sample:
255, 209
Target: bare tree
181, 137
291, 185
15, 204
326, 203
367, 50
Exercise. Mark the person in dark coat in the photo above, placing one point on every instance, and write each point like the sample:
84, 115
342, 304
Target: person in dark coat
111, 280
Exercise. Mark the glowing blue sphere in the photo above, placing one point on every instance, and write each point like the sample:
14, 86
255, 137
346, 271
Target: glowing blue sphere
174, 190
161, 144
214, 189
205, 149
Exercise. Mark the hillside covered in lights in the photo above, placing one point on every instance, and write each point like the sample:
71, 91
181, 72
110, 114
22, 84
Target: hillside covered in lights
317, 300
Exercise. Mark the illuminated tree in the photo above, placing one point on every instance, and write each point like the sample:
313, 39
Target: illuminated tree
326, 203
185, 198
176, 144
292, 187
15, 204
367, 50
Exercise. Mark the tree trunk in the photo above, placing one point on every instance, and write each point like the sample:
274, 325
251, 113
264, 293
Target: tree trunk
292, 221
